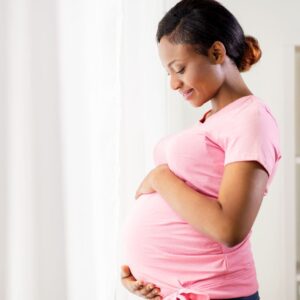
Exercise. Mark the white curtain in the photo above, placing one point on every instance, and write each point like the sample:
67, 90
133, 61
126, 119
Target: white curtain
82, 105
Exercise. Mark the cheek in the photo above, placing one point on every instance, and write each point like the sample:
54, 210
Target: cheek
207, 82
211, 79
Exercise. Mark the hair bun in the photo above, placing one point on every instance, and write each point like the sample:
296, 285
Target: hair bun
252, 53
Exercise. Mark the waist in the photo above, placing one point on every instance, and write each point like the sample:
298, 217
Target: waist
186, 295
254, 296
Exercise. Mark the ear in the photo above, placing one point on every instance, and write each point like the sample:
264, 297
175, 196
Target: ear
217, 53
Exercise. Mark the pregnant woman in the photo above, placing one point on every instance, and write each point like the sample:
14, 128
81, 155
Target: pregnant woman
188, 233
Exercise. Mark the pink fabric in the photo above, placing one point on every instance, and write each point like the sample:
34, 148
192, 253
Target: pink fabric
164, 249
186, 294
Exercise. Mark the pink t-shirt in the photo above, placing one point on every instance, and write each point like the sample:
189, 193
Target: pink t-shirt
162, 248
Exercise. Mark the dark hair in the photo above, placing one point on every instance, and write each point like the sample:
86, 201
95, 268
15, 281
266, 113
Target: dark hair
201, 23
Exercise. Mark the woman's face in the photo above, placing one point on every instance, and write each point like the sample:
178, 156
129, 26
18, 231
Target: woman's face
197, 77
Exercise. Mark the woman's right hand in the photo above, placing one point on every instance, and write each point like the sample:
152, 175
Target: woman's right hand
145, 290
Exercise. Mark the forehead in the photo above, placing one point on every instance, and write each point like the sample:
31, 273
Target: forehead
169, 52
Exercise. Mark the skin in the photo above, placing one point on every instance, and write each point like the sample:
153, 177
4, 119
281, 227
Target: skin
229, 219
138, 288
214, 77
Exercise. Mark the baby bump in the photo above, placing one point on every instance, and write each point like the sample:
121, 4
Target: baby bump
162, 248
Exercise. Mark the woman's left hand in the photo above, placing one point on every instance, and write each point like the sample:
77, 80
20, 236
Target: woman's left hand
146, 187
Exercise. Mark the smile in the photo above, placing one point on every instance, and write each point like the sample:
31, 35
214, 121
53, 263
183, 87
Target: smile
187, 94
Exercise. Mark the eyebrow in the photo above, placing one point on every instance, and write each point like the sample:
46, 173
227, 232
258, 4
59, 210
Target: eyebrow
170, 63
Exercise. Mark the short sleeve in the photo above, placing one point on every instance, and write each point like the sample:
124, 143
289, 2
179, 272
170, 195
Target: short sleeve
253, 136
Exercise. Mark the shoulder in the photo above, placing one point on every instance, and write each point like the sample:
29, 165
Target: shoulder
252, 114
252, 106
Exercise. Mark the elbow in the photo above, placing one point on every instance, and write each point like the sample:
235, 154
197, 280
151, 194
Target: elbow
232, 238
230, 243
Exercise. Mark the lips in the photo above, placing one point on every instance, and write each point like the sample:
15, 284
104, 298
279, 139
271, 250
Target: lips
187, 93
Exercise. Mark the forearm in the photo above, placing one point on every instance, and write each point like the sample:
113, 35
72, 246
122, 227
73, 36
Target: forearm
203, 213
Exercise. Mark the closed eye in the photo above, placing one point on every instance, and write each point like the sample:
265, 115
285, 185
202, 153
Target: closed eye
181, 71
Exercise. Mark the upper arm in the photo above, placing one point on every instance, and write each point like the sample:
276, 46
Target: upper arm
251, 148
240, 195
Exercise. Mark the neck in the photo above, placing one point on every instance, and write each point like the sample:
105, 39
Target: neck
232, 89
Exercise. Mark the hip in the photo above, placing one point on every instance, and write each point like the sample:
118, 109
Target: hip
254, 296
201, 296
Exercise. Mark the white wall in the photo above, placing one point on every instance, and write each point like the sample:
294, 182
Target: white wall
276, 25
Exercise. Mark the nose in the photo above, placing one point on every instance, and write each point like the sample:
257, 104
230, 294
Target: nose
175, 83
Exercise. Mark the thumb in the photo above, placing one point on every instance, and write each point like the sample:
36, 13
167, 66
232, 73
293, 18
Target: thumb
125, 271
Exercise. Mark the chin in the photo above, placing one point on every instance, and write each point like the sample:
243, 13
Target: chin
198, 102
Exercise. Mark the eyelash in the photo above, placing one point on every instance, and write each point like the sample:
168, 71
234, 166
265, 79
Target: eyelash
179, 72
